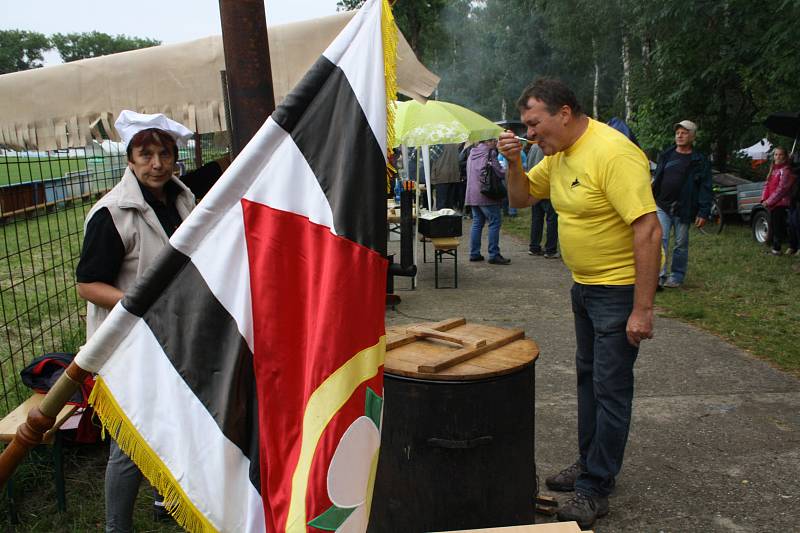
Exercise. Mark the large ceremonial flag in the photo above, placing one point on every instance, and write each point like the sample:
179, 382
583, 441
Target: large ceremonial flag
243, 372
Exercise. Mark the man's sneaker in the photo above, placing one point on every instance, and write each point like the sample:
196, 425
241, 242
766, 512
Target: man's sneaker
791, 251
671, 284
160, 513
554, 255
534, 252
474, 258
499, 260
584, 509
564, 481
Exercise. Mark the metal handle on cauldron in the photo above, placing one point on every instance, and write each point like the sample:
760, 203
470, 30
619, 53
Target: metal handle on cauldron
460, 444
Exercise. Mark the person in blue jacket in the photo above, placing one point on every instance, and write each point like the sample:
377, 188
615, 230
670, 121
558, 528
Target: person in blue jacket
682, 190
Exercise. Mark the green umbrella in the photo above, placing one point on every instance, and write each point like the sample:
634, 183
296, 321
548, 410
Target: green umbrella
437, 122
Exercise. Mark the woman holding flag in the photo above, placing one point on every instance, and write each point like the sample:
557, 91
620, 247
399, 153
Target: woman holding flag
123, 234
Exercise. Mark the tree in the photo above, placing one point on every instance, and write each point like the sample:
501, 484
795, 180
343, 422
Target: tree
21, 50
723, 82
417, 19
75, 46
348, 5
724, 64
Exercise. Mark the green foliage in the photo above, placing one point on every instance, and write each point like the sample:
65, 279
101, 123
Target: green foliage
724, 65
75, 46
24, 50
348, 5
84, 473
21, 50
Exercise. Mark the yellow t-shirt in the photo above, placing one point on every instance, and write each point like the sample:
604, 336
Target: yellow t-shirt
598, 187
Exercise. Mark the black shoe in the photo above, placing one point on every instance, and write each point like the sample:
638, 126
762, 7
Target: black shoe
564, 481
584, 509
474, 258
534, 252
160, 514
499, 260
553, 255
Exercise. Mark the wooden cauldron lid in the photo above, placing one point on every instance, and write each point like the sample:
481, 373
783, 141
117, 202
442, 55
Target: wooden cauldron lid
454, 350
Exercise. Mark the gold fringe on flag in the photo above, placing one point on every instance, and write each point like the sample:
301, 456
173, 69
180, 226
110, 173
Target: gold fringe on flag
389, 32
131, 442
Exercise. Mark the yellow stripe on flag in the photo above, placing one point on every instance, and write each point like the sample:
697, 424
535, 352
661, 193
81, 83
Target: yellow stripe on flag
323, 404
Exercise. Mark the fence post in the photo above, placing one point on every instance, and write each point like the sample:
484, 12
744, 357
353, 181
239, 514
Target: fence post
198, 151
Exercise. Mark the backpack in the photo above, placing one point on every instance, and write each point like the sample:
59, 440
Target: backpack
43, 372
463, 157
491, 182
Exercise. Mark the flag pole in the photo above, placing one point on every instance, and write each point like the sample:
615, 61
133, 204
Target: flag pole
40, 419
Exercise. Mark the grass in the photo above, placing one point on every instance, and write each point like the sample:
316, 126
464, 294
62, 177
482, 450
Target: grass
15, 169
732, 289
84, 470
40, 308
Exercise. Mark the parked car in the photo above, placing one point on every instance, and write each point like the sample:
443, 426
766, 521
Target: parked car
736, 196
748, 200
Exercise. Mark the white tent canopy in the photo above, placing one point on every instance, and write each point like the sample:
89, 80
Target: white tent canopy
63, 105
759, 151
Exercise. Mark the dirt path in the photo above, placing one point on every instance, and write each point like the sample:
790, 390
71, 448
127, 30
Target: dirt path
715, 438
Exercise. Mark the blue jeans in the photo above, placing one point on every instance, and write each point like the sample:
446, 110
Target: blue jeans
680, 253
794, 227
480, 214
604, 365
539, 211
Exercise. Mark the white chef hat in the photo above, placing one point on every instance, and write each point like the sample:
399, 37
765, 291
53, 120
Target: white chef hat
129, 123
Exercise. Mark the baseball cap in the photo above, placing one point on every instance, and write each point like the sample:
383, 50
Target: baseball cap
687, 124
129, 123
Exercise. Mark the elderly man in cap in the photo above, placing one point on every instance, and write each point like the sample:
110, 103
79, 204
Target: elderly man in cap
682, 189
124, 232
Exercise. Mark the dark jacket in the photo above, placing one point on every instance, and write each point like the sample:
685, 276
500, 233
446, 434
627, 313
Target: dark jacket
696, 194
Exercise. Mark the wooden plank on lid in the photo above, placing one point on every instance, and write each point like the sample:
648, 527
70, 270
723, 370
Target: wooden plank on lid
455, 350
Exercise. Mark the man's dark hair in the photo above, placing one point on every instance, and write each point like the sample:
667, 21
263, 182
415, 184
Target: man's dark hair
153, 136
554, 93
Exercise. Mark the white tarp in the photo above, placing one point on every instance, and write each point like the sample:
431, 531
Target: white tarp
759, 151
65, 105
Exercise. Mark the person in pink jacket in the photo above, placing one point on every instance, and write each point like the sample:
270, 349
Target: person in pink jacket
777, 197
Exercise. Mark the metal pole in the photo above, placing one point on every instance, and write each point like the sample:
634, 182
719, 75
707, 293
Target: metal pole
247, 66
198, 151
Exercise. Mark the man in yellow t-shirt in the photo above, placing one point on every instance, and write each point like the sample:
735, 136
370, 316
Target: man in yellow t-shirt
599, 184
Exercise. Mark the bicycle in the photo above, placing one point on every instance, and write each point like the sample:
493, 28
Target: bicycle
716, 221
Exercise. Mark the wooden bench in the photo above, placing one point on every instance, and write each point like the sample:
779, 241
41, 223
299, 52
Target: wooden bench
445, 246
8, 428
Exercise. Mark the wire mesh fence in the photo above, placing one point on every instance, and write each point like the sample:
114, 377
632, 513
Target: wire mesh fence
44, 198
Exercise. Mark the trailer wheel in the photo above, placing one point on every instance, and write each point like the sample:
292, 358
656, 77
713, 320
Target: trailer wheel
760, 225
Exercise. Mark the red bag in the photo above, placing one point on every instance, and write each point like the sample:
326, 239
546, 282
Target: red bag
42, 373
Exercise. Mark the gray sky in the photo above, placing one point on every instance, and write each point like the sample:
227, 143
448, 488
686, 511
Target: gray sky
169, 21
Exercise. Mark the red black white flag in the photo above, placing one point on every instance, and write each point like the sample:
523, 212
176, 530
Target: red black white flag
245, 367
